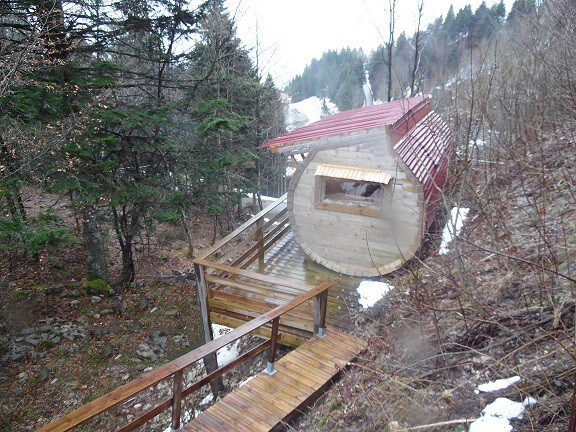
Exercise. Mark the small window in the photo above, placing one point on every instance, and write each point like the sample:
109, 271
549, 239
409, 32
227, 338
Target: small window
350, 190
344, 190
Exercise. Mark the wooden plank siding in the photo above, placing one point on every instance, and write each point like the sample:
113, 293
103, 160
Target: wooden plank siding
268, 402
354, 243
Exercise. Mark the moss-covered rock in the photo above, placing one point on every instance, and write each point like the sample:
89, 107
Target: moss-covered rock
98, 287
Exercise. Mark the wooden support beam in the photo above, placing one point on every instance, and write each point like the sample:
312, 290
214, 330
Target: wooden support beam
177, 399
272, 351
211, 360
294, 161
320, 307
260, 242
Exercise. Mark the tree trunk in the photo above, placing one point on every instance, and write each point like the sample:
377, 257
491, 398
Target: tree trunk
390, 45
128, 268
413, 87
96, 262
183, 221
14, 197
125, 241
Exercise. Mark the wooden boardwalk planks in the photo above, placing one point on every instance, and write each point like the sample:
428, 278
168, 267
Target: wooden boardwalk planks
237, 301
267, 402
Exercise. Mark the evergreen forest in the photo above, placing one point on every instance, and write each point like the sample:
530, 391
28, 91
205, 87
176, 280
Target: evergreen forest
137, 112
407, 65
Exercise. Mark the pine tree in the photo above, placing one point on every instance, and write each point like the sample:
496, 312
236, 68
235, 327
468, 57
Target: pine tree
449, 30
498, 12
520, 9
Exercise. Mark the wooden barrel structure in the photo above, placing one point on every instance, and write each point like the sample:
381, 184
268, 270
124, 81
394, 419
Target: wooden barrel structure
369, 184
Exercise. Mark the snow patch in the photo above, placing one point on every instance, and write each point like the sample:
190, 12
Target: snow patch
496, 385
228, 353
209, 398
372, 291
246, 380
308, 111
491, 424
264, 197
453, 226
497, 415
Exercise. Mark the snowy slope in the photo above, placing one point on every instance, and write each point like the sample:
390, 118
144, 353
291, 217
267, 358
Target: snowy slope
307, 111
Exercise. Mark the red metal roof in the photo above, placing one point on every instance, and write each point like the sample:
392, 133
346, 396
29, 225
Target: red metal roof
426, 150
384, 115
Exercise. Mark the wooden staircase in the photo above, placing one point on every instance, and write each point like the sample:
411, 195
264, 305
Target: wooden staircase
238, 281
230, 292
268, 402
290, 383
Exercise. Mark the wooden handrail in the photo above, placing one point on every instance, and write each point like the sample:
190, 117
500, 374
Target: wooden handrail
253, 220
121, 394
252, 275
251, 237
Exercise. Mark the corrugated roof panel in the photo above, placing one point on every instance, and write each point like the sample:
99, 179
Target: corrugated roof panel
425, 150
384, 115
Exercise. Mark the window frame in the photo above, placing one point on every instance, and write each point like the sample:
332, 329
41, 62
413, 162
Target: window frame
325, 172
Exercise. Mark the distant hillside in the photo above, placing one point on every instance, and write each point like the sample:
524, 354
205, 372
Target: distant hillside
443, 48
337, 76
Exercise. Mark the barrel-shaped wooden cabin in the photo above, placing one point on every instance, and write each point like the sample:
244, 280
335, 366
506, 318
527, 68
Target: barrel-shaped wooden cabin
368, 187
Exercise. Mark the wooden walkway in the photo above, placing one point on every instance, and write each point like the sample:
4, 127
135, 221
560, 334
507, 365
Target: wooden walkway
258, 280
236, 301
267, 402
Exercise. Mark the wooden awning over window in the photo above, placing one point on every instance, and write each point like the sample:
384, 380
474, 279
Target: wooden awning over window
353, 173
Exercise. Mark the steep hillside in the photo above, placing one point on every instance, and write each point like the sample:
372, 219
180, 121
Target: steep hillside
499, 305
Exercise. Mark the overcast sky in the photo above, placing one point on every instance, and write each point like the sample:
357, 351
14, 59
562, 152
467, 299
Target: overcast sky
293, 32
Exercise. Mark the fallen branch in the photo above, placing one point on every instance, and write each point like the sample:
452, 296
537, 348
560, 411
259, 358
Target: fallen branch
394, 425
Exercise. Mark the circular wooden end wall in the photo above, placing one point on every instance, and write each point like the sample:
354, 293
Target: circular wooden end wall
356, 244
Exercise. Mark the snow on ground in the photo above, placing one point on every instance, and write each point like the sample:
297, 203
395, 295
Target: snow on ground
500, 384
209, 398
246, 380
228, 353
372, 291
290, 169
497, 415
453, 226
264, 197
312, 108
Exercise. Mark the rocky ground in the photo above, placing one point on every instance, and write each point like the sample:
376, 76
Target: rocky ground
65, 344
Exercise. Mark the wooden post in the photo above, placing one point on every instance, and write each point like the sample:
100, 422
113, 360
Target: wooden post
320, 307
177, 400
260, 240
294, 161
211, 360
272, 350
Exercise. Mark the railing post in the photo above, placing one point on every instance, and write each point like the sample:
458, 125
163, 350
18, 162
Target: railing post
320, 306
177, 400
272, 350
260, 240
211, 360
